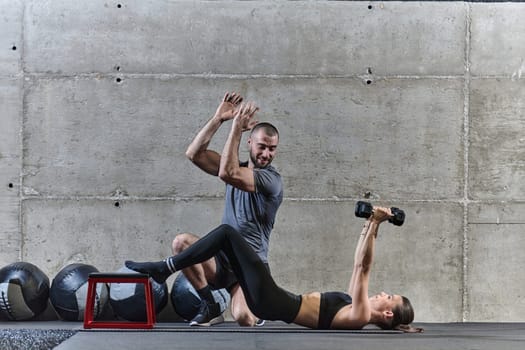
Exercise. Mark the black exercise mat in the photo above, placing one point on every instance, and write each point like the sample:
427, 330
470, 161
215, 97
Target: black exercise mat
232, 327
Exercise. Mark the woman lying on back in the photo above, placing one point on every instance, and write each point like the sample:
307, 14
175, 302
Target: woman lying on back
268, 301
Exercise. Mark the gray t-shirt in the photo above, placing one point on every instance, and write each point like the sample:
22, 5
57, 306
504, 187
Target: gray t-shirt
253, 214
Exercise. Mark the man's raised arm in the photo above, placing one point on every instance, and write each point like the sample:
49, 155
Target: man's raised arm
198, 152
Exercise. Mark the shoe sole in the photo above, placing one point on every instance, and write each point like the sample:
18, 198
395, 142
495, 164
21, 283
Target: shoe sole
216, 320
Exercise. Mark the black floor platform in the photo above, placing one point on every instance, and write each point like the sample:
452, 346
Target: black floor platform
274, 335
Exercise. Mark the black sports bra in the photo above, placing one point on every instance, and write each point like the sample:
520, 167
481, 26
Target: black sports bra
331, 303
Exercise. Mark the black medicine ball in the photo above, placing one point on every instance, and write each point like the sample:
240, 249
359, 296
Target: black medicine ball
24, 291
68, 292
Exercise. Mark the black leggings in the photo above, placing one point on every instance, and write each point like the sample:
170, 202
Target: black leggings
264, 297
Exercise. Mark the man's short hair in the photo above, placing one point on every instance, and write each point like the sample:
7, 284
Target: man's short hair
268, 128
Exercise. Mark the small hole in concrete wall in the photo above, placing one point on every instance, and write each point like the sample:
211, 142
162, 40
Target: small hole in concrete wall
119, 6
118, 80
368, 82
117, 204
370, 7
117, 68
10, 185
13, 48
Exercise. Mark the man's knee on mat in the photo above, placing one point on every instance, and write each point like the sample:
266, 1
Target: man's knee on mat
239, 309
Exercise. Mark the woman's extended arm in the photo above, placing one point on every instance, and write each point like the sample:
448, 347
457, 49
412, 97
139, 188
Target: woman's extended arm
358, 249
360, 312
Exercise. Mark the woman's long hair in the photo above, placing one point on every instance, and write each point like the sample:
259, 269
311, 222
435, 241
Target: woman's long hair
403, 315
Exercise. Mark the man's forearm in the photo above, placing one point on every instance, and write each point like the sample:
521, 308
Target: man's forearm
203, 138
230, 153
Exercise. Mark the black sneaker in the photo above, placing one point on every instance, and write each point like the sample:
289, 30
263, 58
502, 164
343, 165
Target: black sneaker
208, 315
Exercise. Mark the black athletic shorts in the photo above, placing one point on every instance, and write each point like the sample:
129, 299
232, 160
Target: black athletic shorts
224, 276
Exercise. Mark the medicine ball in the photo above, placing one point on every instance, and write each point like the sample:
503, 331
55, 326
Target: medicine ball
128, 299
68, 292
186, 300
24, 291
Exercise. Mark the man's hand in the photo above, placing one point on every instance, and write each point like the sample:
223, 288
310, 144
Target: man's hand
243, 116
226, 109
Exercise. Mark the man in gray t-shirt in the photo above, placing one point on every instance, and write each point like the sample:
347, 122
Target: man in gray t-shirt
253, 213
254, 192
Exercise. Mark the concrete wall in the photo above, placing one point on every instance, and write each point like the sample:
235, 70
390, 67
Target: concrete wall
414, 104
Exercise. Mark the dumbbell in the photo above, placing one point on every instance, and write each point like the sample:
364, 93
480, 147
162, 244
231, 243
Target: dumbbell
364, 210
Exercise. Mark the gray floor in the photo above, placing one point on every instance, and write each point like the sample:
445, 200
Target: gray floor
276, 335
